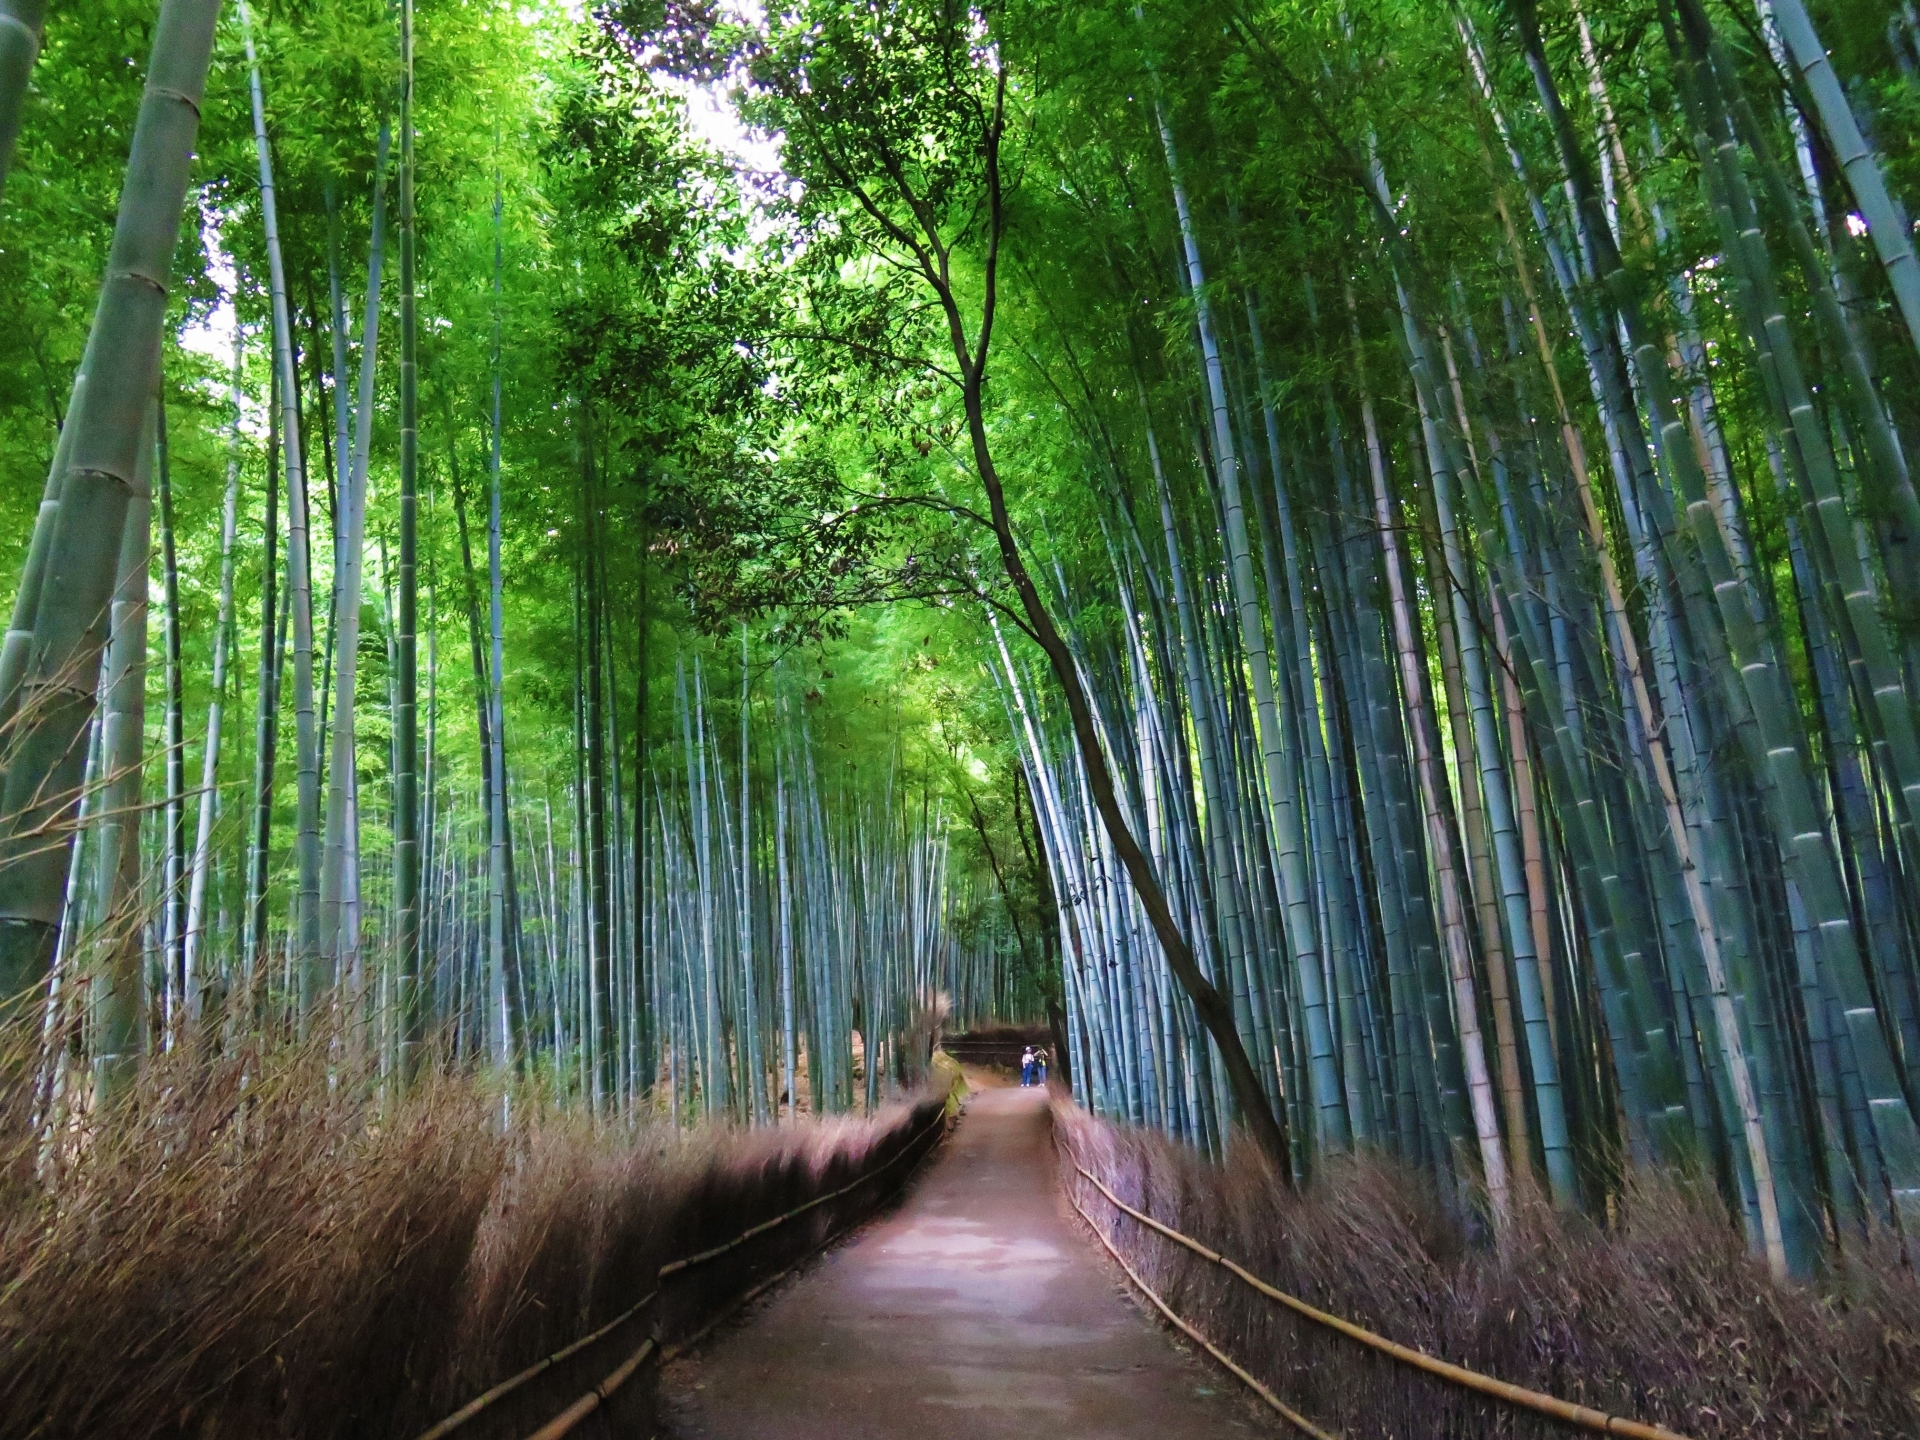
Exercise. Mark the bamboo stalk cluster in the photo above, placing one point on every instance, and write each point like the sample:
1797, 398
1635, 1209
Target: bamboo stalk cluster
662, 926
802, 950
1542, 815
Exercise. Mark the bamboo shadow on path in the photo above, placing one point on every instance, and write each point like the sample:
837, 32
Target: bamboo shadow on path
975, 1309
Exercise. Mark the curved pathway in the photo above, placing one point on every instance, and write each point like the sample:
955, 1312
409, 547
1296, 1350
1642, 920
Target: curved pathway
974, 1311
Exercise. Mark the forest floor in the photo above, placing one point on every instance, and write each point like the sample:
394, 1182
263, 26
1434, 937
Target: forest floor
976, 1309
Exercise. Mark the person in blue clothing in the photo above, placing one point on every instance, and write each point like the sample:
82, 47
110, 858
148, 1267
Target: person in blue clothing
1040, 1067
1026, 1067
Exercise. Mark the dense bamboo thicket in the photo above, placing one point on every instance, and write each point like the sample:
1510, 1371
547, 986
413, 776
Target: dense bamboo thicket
1487, 679
339, 692
1354, 560
1501, 648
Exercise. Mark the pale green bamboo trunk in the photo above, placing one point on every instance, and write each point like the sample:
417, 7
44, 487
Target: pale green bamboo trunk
118, 910
194, 957
57, 690
340, 858
21, 24
304, 924
406, 744
1865, 172
173, 815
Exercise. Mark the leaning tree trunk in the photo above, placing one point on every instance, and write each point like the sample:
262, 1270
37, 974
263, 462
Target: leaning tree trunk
122, 364
1332, 1126
1215, 1011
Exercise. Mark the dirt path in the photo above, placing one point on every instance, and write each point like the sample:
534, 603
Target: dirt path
974, 1311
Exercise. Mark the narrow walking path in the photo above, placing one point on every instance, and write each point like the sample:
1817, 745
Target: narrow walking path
975, 1310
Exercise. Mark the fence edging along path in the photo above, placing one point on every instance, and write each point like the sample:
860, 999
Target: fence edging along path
1291, 1416
605, 1389
1555, 1408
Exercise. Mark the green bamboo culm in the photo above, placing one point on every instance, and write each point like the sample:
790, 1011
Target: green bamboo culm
502, 953
115, 841
56, 695
340, 918
305, 914
21, 24
1886, 225
406, 781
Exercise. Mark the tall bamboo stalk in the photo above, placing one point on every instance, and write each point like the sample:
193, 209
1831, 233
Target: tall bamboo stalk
173, 845
406, 786
21, 24
1886, 222
340, 867
122, 365
305, 924
266, 727
119, 996
1282, 780
223, 643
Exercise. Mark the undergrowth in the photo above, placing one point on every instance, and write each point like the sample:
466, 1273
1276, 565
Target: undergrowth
261, 1245
1661, 1316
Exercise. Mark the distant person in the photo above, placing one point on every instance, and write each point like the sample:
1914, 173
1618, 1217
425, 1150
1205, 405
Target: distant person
1026, 1067
1040, 1067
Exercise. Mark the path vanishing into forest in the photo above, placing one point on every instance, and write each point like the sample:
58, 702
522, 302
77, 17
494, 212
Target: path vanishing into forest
975, 1309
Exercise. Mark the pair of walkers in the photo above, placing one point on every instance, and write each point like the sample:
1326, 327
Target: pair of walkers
1033, 1067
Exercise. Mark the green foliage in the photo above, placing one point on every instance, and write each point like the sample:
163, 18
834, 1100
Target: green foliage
733, 399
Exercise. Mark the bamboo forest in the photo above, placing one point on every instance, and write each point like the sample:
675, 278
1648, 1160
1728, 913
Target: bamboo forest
618, 608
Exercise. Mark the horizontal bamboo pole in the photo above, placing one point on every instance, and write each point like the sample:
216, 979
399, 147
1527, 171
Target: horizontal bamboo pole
1291, 1416
563, 1423
506, 1387
760, 1288
1563, 1410
674, 1267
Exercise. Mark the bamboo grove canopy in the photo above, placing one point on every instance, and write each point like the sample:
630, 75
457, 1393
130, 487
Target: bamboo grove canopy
1359, 558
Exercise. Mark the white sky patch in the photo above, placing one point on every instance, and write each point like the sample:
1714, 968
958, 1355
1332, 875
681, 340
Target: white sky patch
711, 117
713, 120
212, 335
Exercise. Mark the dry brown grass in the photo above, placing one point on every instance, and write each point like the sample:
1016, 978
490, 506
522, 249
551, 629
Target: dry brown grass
1664, 1317
256, 1246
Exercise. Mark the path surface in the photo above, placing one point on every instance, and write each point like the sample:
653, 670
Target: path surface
975, 1311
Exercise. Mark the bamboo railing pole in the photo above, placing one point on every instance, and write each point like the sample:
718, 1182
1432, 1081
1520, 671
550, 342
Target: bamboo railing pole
1566, 1411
